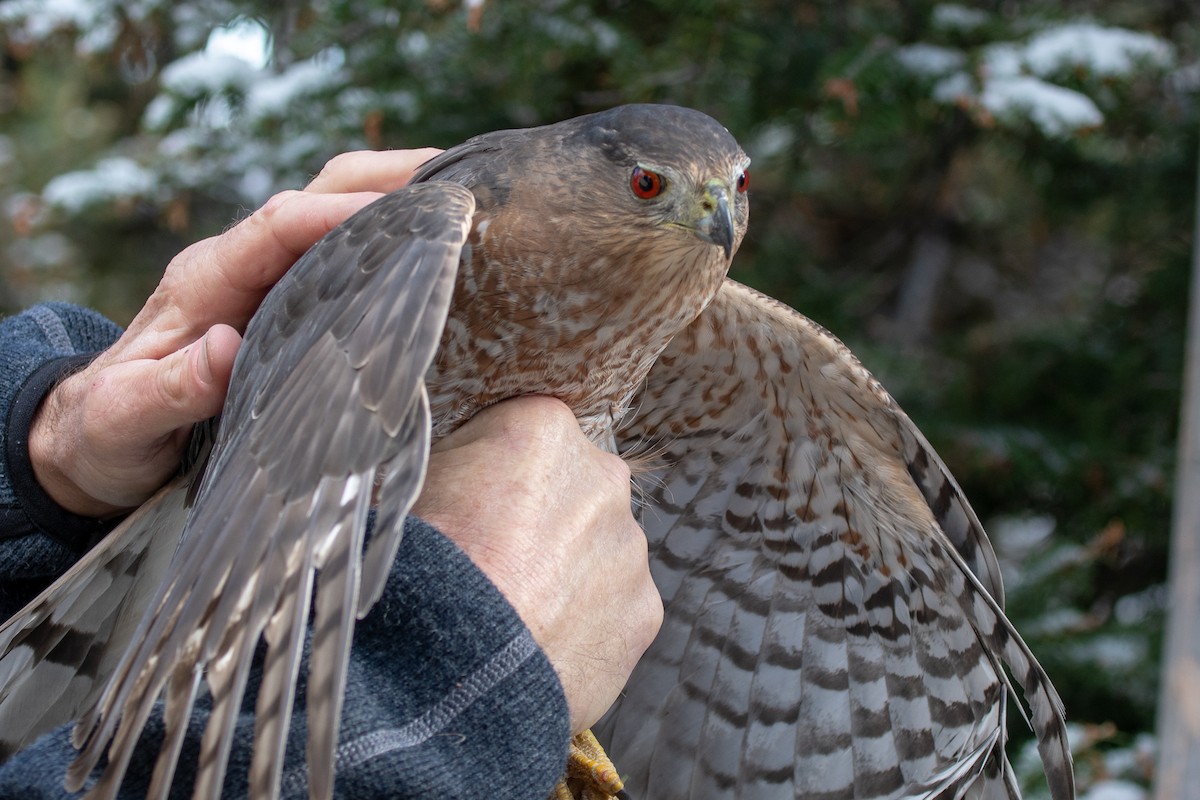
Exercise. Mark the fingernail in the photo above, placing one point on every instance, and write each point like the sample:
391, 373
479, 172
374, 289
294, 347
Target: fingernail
206, 373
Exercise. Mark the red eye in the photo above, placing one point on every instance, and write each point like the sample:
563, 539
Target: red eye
743, 182
646, 184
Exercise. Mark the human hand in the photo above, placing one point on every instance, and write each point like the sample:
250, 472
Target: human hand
546, 516
108, 436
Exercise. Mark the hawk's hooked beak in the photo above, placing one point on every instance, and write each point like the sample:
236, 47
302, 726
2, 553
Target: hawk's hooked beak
716, 223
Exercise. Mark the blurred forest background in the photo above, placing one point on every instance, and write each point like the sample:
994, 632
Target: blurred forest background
992, 203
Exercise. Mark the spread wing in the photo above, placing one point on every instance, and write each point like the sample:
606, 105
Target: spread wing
327, 392
833, 625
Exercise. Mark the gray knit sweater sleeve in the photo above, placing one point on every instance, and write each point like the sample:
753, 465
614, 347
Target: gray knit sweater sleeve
39, 539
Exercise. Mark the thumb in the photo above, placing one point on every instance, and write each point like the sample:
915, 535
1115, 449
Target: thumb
214, 361
111, 434
191, 383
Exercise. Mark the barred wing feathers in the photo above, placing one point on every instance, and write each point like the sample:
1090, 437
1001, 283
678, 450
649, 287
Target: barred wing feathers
832, 628
355, 322
66, 643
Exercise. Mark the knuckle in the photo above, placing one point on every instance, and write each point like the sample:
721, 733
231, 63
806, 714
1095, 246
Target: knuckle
340, 163
552, 412
275, 203
536, 424
657, 616
616, 470
423, 154
172, 383
653, 613
618, 466
636, 537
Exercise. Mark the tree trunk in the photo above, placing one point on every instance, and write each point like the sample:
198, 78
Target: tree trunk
1179, 700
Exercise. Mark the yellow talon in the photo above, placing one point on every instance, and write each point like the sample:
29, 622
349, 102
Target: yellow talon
590, 772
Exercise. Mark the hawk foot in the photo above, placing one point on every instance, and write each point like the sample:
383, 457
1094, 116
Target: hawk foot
590, 773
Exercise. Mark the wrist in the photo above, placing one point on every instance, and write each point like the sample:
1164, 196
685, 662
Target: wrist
37, 509
54, 452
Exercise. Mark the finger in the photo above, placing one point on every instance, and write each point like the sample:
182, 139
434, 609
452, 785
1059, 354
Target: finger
237, 268
185, 387
214, 358
254, 254
370, 170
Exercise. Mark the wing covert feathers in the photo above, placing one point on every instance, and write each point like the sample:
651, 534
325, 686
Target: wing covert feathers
833, 608
355, 322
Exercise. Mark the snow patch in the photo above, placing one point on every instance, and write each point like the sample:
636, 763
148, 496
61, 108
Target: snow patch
256, 184
111, 179
42, 252
772, 139
1055, 110
953, 17
37, 19
1003, 60
1139, 608
954, 89
1010, 81
245, 38
206, 73
158, 113
1111, 652
272, 95
930, 60
1100, 51
1057, 622
1115, 790
1021, 535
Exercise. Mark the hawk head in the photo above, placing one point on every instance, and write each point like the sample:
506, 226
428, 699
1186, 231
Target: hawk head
672, 168
591, 184
595, 240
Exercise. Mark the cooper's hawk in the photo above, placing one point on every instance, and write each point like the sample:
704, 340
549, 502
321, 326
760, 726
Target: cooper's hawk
834, 622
